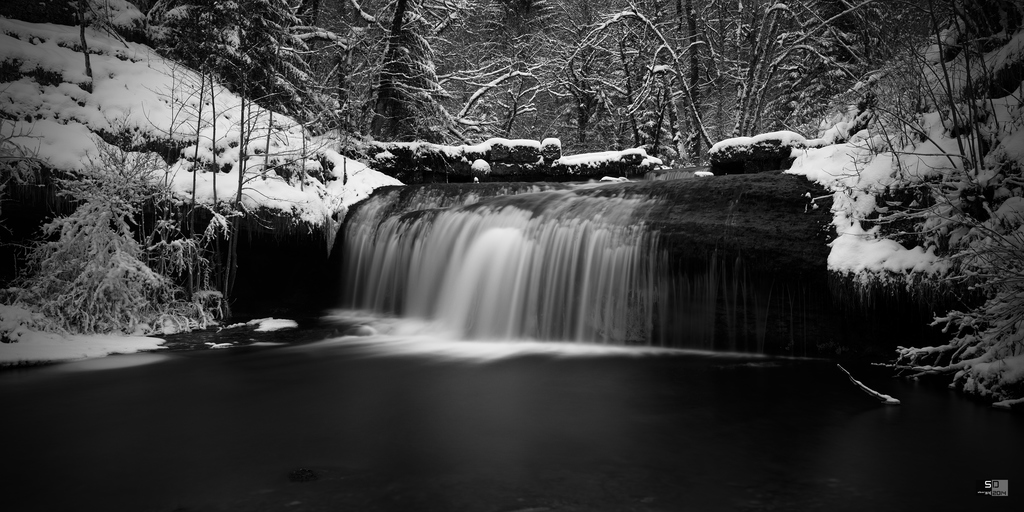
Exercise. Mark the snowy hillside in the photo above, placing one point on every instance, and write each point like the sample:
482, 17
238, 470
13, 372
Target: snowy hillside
53, 111
210, 142
933, 191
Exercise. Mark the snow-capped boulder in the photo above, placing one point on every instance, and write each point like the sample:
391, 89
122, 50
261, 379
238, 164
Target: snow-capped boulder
764, 152
518, 151
551, 149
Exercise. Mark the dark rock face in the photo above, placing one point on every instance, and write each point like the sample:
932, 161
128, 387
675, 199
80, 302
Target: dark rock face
746, 269
766, 155
281, 265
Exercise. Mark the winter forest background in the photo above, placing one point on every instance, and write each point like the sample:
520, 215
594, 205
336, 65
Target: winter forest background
670, 76
174, 125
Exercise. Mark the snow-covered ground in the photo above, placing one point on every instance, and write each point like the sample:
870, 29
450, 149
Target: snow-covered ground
24, 345
55, 117
54, 113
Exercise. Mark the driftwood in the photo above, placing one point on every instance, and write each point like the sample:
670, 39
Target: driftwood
886, 399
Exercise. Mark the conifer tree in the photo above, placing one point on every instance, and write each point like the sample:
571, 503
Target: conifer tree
406, 105
247, 44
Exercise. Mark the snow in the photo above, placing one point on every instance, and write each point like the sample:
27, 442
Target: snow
988, 376
118, 13
858, 170
355, 182
264, 325
135, 90
31, 346
529, 143
785, 138
885, 399
272, 324
461, 150
551, 142
604, 157
480, 165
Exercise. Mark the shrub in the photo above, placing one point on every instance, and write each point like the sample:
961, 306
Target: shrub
91, 272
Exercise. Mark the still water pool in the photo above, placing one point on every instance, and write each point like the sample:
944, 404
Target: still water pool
393, 423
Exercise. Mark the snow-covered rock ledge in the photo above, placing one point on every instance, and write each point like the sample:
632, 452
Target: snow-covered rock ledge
776, 150
500, 159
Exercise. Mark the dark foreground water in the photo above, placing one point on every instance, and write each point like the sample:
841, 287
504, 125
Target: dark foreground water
412, 425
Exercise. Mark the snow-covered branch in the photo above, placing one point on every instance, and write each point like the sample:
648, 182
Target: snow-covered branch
886, 399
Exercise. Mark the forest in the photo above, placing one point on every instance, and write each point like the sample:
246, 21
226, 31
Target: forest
672, 77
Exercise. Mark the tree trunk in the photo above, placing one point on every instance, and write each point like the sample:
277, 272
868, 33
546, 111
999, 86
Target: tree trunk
82, 7
629, 93
674, 120
384, 120
693, 138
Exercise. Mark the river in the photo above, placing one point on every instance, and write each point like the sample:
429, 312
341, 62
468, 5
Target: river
410, 422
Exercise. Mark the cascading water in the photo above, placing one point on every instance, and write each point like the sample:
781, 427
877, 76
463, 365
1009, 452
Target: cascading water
731, 264
553, 265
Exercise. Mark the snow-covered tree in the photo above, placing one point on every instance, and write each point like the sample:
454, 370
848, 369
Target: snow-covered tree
97, 271
407, 102
250, 45
498, 87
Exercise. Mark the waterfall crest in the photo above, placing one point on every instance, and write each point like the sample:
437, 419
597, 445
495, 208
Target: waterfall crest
550, 265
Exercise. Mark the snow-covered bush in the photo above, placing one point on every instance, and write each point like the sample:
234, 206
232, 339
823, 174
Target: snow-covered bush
91, 272
987, 349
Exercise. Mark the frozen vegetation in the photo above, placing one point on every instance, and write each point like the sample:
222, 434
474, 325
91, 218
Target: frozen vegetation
932, 195
142, 130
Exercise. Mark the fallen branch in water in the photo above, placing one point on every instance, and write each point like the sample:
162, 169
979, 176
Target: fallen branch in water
1008, 404
886, 399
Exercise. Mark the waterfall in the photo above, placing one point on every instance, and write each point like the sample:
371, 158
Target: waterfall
673, 264
549, 265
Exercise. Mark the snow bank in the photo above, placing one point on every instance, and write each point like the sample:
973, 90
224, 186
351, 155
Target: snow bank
23, 344
272, 324
56, 112
858, 172
635, 156
783, 138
